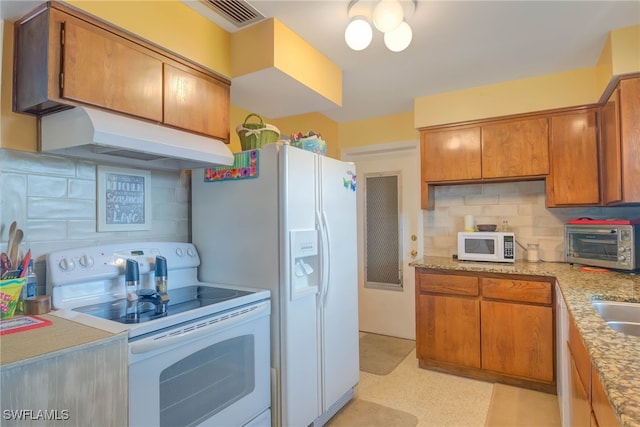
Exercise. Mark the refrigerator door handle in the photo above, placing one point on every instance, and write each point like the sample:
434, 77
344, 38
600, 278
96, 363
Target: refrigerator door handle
323, 257
326, 257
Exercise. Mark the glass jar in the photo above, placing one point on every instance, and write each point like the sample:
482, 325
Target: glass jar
533, 252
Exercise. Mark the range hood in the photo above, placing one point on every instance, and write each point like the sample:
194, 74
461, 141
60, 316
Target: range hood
103, 137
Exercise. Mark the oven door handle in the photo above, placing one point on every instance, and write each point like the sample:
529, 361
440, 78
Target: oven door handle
191, 332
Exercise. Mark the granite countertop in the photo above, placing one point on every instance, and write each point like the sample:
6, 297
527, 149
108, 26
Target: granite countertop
615, 356
48, 341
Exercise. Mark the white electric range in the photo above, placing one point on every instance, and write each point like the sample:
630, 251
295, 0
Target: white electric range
201, 359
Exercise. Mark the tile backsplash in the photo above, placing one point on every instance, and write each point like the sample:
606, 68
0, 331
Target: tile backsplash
522, 204
53, 200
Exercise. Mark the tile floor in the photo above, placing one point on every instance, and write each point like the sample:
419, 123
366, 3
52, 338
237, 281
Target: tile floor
442, 400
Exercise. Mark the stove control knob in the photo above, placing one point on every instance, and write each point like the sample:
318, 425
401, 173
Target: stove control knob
191, 252
66, 264
180, 252
622, 258
86, 261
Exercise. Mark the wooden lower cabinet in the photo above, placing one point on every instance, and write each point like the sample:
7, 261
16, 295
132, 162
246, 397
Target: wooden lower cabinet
579, 405
602, 410
492, 327
588, 402
516, 340
453, 332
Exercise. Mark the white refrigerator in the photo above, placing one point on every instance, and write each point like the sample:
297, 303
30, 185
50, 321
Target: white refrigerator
290, 229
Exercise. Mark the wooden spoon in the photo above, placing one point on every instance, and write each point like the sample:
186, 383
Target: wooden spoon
12, 231
15, 246
12, 235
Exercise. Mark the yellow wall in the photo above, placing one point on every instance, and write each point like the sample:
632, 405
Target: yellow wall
178, 28
306, 65
604, 66
288, 125
625, 50
391, 128
576, 87
316, 122
270, 44
252, 48
18, 131
620, 55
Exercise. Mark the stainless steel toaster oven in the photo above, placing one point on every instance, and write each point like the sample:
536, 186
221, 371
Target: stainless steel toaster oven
613, 246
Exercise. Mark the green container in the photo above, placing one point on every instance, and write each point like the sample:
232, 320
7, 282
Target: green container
255, 135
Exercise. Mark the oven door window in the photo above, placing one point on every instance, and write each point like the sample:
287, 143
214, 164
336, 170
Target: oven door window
204, 383
594, 246
480, 246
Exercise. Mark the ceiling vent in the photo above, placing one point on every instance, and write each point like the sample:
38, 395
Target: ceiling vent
238, 12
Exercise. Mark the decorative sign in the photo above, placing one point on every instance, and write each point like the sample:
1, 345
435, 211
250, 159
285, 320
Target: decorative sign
245, 165
123, 199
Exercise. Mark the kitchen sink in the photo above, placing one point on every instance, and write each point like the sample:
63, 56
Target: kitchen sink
620, 316
628, 328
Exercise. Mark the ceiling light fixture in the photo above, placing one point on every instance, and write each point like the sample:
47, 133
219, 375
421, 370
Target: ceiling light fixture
388, 16
358, 34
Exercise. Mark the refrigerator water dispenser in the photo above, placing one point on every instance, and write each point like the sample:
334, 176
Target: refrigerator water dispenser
304, 262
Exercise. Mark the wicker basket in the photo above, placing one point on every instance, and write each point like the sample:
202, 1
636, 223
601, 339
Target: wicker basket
255, 135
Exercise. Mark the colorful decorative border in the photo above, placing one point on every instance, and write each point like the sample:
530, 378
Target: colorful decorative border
245, 165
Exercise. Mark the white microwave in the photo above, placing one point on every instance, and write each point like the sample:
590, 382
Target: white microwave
493, 246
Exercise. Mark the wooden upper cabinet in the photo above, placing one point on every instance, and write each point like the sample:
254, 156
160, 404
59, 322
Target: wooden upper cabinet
65, 58
610, 148
573, 152
630, 139
515, 149
504, 150
621, 144
36, 77
105, 70
451, 155
196, 101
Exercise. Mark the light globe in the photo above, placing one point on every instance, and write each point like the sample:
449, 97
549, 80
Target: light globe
358, 34
398, 39
388, 15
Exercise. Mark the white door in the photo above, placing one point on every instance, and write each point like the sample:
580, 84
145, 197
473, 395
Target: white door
390, 311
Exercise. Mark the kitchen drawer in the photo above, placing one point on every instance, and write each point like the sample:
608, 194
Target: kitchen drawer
448, 284
517, 290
